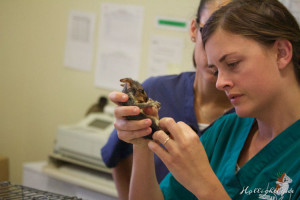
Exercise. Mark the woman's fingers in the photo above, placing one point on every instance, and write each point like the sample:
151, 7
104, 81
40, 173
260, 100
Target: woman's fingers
169, 125
130, 131
131, 125
129, 136
151, 111
117, 97
161, 137
122, 123
122, 111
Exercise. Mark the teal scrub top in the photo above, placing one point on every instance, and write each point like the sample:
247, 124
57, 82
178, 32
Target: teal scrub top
272, 174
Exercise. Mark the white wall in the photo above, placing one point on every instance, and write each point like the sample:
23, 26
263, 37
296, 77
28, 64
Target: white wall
37, 92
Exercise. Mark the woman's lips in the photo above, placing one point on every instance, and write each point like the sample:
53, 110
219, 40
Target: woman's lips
234, 98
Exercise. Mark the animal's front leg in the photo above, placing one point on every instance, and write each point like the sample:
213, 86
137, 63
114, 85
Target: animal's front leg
148, 104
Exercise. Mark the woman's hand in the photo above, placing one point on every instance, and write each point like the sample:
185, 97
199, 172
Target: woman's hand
130, 131
133, 131
185, 157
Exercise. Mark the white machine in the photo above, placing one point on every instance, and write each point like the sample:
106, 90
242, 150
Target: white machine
81, 143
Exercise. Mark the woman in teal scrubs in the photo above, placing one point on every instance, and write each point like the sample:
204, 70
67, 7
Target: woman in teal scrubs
254, 48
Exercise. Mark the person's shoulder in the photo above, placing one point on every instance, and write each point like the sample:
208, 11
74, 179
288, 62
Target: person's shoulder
228, 124
231, 118
167, 80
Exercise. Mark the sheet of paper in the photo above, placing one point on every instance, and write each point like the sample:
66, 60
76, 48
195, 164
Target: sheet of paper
165, 55
119, 47
80, 40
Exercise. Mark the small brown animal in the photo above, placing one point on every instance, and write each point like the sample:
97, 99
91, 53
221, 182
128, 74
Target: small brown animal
138, 97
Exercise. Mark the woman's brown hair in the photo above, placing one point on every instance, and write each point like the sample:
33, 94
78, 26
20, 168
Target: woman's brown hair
264, 21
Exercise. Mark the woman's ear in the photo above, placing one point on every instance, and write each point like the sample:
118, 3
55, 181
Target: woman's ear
284, 50
193, 30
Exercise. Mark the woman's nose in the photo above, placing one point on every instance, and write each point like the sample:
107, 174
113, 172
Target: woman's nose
223, 81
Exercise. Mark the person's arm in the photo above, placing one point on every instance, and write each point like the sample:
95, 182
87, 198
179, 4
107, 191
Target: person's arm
143, 183
121, 175
185, 157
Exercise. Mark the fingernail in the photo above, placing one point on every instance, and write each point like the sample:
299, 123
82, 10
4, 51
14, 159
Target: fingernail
111, 95
124, 97
136, 110
147, 121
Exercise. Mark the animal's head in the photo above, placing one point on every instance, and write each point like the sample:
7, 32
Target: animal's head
284, 179
134, 87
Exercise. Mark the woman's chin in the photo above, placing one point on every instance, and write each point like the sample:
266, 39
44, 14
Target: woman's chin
241, 112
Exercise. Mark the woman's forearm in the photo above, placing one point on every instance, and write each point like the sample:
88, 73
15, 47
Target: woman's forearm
212, 189
143, 183
121, 174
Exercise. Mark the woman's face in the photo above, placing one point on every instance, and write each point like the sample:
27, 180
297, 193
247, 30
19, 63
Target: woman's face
246, 71
206, 75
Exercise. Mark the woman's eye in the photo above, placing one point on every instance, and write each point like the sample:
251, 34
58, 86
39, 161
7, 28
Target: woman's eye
233, 64
214, 71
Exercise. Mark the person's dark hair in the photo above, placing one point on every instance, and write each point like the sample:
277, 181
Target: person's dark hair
201, 8
264, 21
198, 16
194, 61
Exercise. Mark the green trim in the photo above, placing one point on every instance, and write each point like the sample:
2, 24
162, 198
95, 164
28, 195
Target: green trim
172, 23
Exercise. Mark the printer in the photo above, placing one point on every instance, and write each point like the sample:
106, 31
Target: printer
81, 143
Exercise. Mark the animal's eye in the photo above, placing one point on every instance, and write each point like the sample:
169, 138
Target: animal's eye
133, 91
141, 91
